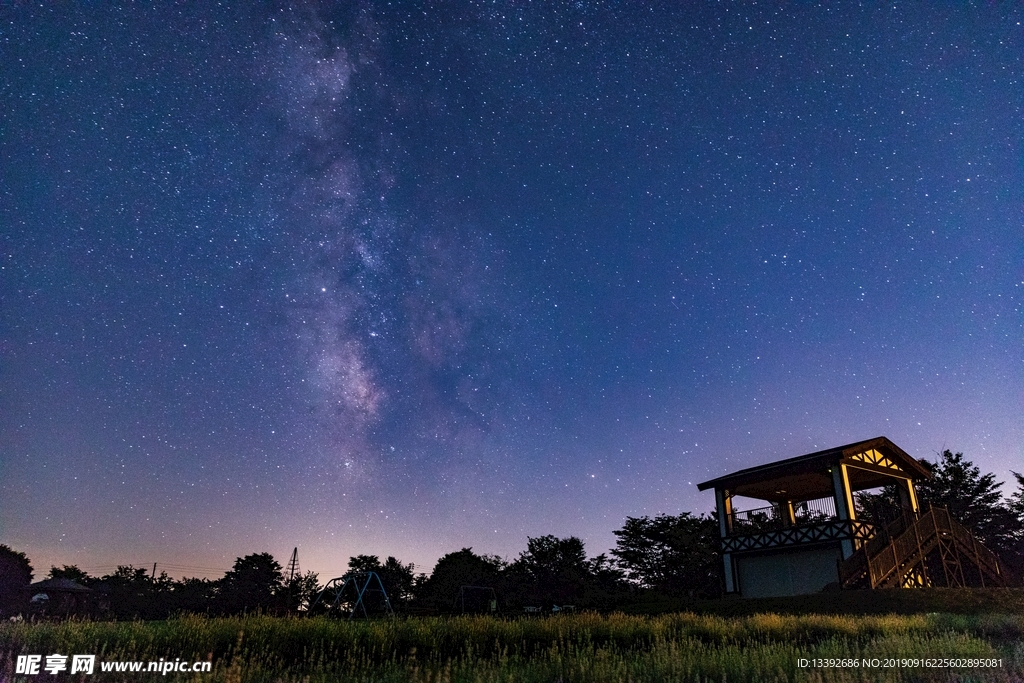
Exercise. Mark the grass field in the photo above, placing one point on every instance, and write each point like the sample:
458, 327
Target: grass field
584, 647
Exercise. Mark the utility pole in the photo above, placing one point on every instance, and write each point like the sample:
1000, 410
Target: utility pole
293, 571
293, 565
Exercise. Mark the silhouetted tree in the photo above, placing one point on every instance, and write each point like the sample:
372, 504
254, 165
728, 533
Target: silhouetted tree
972, 498
363, 563
557, 568
132, 593
301, 590
457, 569
72, 572
253, 583
1017, 497
671, 553
15, 574
547, 556
193, 595
880, 507
1015, 556
606, 583
604, 570
398, 578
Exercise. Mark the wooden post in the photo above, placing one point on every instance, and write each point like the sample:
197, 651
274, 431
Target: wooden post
723, 501
912, 494
844, 503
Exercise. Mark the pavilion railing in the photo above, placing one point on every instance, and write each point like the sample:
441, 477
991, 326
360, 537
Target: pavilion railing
776, 517
758, 519
811, 511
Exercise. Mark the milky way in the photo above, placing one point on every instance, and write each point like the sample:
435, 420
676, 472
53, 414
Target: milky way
387, 307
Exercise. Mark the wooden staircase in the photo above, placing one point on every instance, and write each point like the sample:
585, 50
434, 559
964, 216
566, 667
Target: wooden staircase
929, 549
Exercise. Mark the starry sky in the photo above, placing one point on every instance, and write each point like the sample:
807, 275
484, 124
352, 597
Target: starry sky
402, 278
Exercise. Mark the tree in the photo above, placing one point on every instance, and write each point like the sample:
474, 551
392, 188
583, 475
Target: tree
1016, 505
973, 499
363, 563
133, 593
302, 590
558, 569
72, 572
15, 574
671, 553
458, 569
548, 556
604, 571
606, 585
193, 595
878, 508
253, 583
1015, 556
398, 578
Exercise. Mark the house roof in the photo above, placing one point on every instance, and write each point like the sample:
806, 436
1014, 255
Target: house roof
807, 477
57, 586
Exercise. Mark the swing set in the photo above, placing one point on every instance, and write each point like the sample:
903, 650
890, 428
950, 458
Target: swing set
352, 592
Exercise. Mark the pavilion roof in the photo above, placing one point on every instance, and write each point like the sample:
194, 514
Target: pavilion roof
807, 477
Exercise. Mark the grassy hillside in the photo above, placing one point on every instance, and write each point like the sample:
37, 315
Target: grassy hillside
583, 647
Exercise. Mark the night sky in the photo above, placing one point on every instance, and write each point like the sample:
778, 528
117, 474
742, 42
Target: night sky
400, 278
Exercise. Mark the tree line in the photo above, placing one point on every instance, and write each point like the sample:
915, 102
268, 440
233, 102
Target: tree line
664, 555
669, 554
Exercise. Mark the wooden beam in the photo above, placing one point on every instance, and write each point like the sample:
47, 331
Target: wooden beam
877, 469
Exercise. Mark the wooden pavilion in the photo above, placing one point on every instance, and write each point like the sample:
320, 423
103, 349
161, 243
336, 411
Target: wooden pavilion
810, 535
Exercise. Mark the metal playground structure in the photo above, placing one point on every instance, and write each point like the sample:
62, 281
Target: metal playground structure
351, 593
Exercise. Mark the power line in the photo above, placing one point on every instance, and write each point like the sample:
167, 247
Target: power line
145, 565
